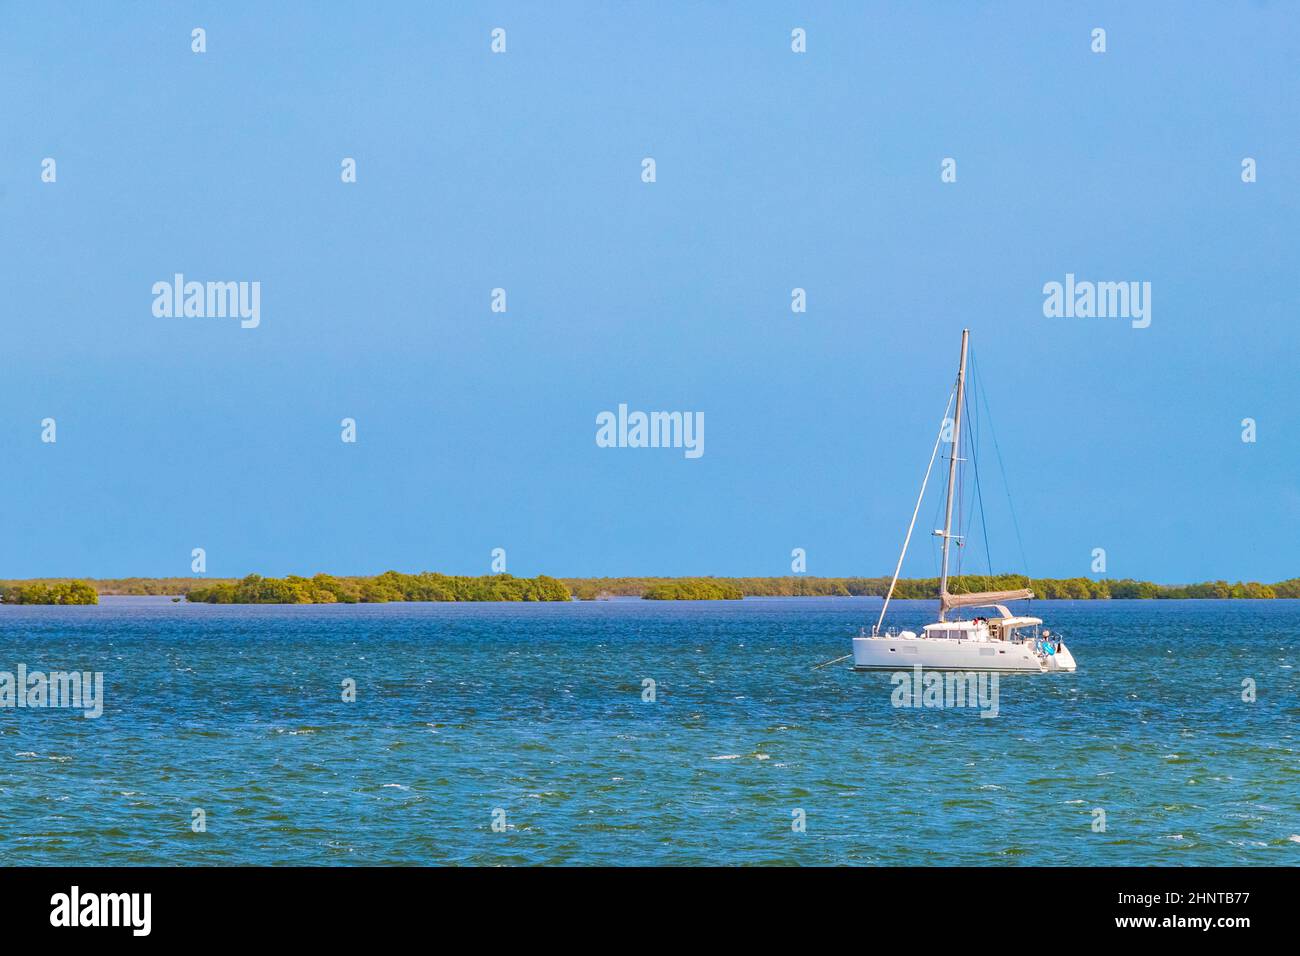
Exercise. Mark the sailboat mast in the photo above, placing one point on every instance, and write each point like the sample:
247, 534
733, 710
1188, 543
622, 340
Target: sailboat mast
952, 471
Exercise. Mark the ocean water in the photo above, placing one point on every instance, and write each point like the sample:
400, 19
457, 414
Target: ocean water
537, 711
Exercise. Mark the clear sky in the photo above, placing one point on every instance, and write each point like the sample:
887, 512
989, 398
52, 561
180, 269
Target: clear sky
523, 171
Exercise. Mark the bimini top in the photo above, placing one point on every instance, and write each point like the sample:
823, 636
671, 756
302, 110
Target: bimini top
1020, 621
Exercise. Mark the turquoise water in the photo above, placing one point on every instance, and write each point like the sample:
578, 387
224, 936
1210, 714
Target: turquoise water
537, 710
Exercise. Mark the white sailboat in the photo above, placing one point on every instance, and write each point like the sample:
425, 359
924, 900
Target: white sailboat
1005, 642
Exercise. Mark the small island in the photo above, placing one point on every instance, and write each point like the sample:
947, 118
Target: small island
49, 592
693, 589
389, 586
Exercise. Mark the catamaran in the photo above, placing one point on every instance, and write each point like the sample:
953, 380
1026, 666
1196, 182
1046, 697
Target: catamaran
1005, 642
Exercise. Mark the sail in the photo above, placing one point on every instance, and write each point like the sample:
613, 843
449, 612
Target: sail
982, 598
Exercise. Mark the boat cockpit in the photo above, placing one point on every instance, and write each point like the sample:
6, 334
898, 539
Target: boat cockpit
1005, 627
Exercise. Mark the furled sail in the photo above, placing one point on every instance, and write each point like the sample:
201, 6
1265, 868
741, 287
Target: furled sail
982, 598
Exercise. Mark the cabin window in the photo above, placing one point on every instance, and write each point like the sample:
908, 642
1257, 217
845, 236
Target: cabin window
986, 652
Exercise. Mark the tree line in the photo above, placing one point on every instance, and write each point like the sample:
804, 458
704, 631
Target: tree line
382, 588
48, 592
694, 589
430, 586
1079, 589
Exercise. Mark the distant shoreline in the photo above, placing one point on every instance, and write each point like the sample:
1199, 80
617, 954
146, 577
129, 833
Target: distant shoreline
430, 586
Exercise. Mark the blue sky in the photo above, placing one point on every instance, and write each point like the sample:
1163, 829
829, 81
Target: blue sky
522, 170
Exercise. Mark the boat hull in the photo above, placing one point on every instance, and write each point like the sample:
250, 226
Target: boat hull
904, 653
